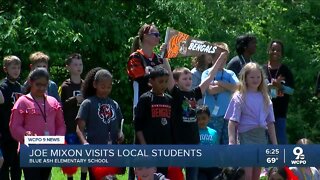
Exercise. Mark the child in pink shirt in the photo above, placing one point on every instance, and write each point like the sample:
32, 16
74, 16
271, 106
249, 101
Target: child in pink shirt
37, 114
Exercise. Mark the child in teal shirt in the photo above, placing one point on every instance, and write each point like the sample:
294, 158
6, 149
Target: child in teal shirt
208, 136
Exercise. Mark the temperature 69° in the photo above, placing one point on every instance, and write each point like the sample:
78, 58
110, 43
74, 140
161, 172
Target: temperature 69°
272, 160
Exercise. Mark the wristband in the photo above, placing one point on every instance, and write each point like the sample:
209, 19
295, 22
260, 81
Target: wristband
86, 143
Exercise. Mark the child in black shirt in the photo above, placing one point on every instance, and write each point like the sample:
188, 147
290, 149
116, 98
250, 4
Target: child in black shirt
11, 90
71, 98
153, 112
185, 126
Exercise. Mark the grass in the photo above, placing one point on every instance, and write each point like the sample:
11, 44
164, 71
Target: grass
58, 175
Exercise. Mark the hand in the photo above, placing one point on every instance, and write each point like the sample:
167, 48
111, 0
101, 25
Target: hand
79, 99
213, 87
148, 69
163, 47
215, 83
277, 82
120, 137
29, 133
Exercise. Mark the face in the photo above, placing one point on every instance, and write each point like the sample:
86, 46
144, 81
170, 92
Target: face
185, 81
39, 86
103, 87
13, 70
145, 173
75, 67
159, 84
253, 79
252, 46
276, 176
203, 120
152, 37
275, 51
39, 65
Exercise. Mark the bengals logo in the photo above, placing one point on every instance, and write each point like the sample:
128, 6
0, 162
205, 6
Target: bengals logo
174, 44
106, 113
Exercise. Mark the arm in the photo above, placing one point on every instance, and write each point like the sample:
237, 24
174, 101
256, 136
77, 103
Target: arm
60, 127
80, 131
120, 120
81, 118
205, 83
287, 90
139, 120
69, 102
1, 98
272, 133
121, 135
167, 66
232, 132
16, 123
228, 86
215, 89
53, 89
140, 137
287, 86
232, 84
233, 114
270, 124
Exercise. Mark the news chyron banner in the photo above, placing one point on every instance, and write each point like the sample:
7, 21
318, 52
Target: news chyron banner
180, 44
169, 155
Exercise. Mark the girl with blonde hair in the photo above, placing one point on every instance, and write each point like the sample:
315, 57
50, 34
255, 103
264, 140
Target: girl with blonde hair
250, 113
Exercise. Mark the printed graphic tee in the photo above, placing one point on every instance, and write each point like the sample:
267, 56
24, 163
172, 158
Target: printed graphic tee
153, 118
103, 119
208, 136
185, 124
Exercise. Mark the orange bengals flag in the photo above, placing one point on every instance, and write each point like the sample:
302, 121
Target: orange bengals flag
180, 44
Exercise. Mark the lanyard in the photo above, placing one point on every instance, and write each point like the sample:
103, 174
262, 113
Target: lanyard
275, 77
243, 61
215, 96
43, 113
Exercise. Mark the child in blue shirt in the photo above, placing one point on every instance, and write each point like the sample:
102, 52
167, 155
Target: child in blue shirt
218, 96
208, 136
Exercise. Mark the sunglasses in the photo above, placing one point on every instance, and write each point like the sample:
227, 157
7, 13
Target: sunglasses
156, 34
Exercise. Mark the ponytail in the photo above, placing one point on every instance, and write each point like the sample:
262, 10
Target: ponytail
139, 38
136, 44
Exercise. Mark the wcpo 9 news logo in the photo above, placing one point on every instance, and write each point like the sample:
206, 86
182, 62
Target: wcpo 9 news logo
299, 156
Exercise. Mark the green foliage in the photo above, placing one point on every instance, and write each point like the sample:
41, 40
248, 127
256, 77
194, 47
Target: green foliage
102, 31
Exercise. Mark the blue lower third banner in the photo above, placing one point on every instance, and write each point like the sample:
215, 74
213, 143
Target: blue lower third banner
169, 155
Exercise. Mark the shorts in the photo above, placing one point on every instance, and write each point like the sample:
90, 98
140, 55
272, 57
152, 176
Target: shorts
254, 136
72, 138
